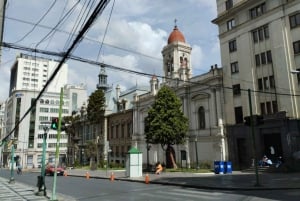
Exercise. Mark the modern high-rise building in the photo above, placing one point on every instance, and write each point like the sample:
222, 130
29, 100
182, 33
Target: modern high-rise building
260, 48
28, 77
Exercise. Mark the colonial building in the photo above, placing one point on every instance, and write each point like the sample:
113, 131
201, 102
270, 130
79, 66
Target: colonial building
202, 103
260, 47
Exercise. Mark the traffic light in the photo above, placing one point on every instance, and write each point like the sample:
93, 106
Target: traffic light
54, 123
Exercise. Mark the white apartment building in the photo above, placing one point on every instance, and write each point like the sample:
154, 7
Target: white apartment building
260, 47
28, 76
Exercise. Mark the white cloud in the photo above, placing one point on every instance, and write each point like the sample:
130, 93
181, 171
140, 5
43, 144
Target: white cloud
141, 26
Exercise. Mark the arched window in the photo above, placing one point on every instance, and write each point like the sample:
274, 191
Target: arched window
201, 117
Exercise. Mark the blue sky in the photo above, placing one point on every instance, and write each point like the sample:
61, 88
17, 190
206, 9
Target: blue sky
136, 33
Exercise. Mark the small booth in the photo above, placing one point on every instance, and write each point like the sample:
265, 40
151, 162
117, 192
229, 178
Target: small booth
134, 163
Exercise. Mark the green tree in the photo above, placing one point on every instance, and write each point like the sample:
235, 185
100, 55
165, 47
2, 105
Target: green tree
91, 152
95, 113
70, 126
166, 124
96, 106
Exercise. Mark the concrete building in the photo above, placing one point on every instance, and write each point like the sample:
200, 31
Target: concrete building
260, 47
28, 76
202, 103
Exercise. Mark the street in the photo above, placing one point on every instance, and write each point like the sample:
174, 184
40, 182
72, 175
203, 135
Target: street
81, 188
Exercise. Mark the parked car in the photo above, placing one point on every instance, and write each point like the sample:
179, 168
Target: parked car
50, 169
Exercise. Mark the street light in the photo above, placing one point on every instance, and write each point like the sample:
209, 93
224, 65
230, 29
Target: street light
196, 150
12, 144
41, 179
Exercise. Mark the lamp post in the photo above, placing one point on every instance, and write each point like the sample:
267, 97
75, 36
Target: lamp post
12, 161
196, 150
41, 179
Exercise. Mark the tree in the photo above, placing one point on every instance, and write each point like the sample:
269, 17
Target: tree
166, 124
95, 113
70, 126
96, 106
91, 152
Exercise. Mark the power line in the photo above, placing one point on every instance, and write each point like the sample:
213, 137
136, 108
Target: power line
77, 58
86, 38
99, 8
35, 25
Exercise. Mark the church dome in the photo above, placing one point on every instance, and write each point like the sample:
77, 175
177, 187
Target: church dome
176, 35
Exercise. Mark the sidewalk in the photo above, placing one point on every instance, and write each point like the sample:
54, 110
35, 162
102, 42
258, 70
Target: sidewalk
235, 181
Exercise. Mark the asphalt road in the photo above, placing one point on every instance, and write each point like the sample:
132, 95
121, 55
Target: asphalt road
100, 189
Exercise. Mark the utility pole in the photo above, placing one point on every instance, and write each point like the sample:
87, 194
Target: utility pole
253, 139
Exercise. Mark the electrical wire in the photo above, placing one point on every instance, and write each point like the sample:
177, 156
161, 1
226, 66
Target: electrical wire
96, 63
105, 32
87, 38
99, 9
35, 25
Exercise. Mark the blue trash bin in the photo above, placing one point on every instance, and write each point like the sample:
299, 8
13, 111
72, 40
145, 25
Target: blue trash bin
219, 167
228, 167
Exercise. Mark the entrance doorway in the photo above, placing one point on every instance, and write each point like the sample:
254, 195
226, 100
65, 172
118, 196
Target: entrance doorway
243, 156
272, 146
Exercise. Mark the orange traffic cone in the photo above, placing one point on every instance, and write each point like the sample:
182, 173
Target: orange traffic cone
65, 173
87, 175
112, 177
147, 179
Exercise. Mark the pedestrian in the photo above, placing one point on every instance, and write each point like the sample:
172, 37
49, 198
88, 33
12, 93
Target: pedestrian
19, 169
159, 168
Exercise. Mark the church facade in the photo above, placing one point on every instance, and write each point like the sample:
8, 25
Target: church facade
202, 102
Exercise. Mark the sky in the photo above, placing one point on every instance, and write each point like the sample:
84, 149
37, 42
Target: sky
129, 34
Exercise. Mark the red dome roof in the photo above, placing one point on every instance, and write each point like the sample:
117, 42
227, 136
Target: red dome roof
176, 35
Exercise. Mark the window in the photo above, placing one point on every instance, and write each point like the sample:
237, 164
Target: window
230, 24
266, 32
263, 58
201, 116
269, 56
262, 108
272, 82
269, 108
275, 106
260, 34
258, 10
232, 46
295, 20
234, 67
296, 46
228, 4
236, 89
257, 60
238, 111
260, 84
266, 83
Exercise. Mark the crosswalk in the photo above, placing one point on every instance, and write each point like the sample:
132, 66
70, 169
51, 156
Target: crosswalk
17, 192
